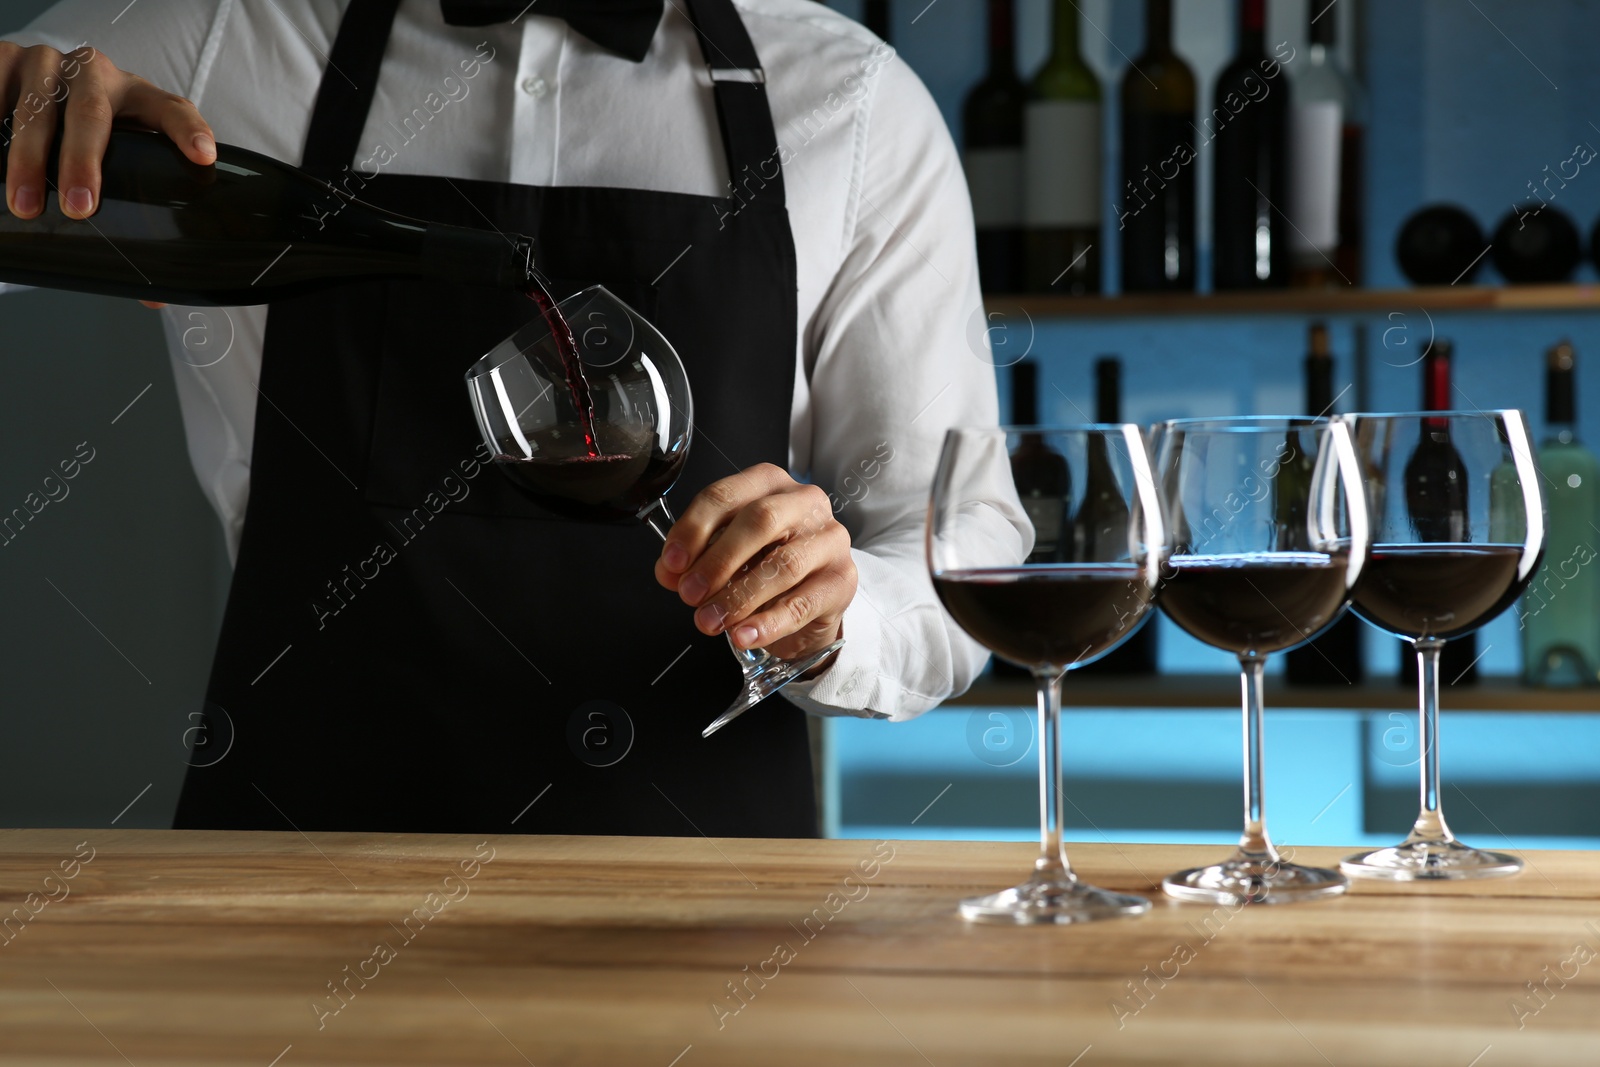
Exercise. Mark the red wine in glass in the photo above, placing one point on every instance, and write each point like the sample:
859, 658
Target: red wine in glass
1429, 590
1051, 614
1257, 604
567, 346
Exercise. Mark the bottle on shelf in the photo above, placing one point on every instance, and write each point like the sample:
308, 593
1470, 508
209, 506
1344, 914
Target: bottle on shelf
1536, 243
1062, 174
1327, 153
248, 230
1334, 658
992, 125
1560, 612
1249, 128
1156, 198
875, 17
1436, 482
1043, 481
1104, 509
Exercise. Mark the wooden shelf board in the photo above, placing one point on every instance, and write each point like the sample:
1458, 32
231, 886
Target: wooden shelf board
1222, 691
1432, 299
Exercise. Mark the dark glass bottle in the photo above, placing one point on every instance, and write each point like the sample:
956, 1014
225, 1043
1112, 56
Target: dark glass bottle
1043, 481
875, 17
992, 129
1436, 497
1334, 658
1249, 125
1440, 245
246, 230
1104, 509
1156, 213
1062, 171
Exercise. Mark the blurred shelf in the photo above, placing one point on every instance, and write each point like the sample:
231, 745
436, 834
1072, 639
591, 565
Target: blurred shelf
1222, 691
1429, 299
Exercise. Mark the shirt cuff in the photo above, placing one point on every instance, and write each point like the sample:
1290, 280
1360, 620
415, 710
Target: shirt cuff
850, 686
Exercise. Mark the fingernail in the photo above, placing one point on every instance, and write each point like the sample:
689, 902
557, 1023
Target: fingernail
692, 589
710, 617
80, 200
745, 636
28, 201
204, 144
675, 557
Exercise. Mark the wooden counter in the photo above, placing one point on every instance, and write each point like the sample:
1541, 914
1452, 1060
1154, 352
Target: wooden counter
210, 948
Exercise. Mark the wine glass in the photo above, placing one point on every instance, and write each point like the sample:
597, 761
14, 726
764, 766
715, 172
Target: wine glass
1091, 580
1269, 535
588, 411
1454, 544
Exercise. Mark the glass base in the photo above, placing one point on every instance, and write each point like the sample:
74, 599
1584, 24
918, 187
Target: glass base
763, 676
1051, 900
1419, 859
1254, 879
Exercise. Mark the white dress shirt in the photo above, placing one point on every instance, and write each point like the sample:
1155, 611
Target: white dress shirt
887, 356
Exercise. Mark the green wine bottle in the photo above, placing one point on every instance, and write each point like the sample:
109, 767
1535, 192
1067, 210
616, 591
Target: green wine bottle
1156, 213
1560, 616
1061, 169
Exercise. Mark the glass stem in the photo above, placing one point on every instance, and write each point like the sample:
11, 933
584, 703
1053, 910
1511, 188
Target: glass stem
658, 516
1254, 841
1430, 820
1052, 862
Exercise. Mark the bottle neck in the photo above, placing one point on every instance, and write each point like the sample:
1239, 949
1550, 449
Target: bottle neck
1319, 385
1436, 383
1108, 391
1158, 26
1024, 395
1064, 43
1560, 409
1252, 27
1002, 38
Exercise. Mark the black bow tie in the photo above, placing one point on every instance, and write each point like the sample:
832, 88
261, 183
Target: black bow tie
623, 26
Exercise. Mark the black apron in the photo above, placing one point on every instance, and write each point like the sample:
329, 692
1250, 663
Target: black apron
411, 646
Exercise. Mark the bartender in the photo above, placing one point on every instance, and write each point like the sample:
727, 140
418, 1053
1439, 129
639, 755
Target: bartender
768, 184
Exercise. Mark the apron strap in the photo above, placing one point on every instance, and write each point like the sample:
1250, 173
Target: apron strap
738, 84
349, 83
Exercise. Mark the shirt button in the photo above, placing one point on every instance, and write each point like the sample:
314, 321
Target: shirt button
535, 86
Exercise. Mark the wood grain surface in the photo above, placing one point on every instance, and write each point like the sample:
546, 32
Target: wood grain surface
163, 947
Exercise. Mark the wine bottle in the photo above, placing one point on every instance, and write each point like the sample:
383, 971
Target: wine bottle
1334, 658
1437, 500
1156, 215
1062, 176
1559, 621
1326, 153
246, 230
1041, 474
1249, 126
875, 17
1043, 481
992, 121
1104, 511
1536, 243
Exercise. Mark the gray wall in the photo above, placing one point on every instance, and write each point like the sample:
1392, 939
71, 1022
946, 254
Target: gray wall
112, 592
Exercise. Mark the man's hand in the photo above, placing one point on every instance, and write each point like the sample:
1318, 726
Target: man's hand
86, 93
762, 557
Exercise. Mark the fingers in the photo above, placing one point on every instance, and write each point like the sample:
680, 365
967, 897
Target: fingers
35, 86
172, 115
774, 519
90, 110
86, 90
152, 305
711, 510
778, 571
804, 619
